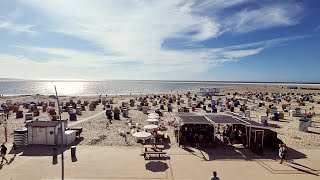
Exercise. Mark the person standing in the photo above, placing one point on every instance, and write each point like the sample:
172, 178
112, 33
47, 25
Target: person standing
282, 152
14, 148
214, 177
231, 137
3, 153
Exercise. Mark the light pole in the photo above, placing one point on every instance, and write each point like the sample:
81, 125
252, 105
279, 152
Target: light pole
61, 133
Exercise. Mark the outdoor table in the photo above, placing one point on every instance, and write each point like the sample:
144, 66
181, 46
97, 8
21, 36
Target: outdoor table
159, 147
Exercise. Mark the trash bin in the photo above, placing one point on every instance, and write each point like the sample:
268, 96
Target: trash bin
55, 155
276, 116
73, 151
304, 124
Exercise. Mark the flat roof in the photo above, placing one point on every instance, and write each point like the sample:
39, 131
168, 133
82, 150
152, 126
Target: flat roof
254, 124
44, 123
223, 119
193, 119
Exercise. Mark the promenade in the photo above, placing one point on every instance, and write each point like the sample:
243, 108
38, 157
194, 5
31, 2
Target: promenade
114, 163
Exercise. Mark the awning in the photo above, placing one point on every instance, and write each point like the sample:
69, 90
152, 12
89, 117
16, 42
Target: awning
193, 119
255, 124
224, 119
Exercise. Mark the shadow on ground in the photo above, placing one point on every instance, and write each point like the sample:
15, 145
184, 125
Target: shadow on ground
43, 150
157, 166
228, 152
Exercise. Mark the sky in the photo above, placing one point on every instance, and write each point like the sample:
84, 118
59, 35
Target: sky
206, 40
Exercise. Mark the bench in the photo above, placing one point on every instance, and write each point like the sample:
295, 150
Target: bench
155, 147
145, 153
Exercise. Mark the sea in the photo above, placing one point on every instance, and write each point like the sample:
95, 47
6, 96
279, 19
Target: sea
110, 87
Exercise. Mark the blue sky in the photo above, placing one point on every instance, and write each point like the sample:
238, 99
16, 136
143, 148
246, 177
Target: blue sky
234, 40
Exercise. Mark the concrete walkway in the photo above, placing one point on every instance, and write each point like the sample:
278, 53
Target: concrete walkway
85, 119
101, 162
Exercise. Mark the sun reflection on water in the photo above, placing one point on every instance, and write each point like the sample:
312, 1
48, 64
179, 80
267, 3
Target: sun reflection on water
66, 88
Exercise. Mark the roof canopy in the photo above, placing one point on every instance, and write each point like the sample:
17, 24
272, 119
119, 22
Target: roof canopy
224, 119
44, 123
193, 119
254, 124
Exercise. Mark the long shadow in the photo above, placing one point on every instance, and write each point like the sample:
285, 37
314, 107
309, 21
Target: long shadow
227, 152
312, 132
291, 162
192, 152
302, 170
44, 150
292, 154
11, 160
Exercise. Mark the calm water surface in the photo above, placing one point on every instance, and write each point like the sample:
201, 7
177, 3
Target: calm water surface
100, 87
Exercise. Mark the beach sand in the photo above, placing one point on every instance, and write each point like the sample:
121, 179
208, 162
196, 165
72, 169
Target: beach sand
94, 123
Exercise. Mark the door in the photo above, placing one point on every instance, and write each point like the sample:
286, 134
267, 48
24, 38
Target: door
258, 138
50, 136
39, 135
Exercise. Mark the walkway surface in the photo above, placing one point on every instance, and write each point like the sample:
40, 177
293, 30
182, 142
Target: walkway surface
85, 119
114, 163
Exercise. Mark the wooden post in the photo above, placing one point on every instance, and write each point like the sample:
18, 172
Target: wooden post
61, 133
6, 134
5, 129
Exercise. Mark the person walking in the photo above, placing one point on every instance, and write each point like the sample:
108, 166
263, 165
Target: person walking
3, 153
282, 152
214, 177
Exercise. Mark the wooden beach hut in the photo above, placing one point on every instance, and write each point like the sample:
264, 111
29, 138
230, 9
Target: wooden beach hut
43, 132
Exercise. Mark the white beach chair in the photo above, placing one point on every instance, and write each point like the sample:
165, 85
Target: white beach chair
165, 136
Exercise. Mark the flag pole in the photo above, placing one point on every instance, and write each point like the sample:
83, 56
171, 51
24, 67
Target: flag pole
62, 130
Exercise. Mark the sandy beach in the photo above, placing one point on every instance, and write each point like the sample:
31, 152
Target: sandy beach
94, 122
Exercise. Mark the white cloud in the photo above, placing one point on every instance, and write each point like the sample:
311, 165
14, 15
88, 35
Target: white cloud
165, 65
241, 53
16, 28
134, 31
265, 17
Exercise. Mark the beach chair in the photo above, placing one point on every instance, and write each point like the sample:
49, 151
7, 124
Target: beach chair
122, 133
165, 136
130, 125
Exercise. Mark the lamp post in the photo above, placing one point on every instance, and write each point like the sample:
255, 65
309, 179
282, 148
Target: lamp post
61, 133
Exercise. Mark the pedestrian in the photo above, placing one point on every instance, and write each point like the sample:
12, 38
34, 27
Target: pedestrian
14, 148
214, 177
282, 152
231, 137
3, 153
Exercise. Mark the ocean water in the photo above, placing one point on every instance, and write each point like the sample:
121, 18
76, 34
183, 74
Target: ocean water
78, 88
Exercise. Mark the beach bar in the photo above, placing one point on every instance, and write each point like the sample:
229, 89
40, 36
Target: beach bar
191, 125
